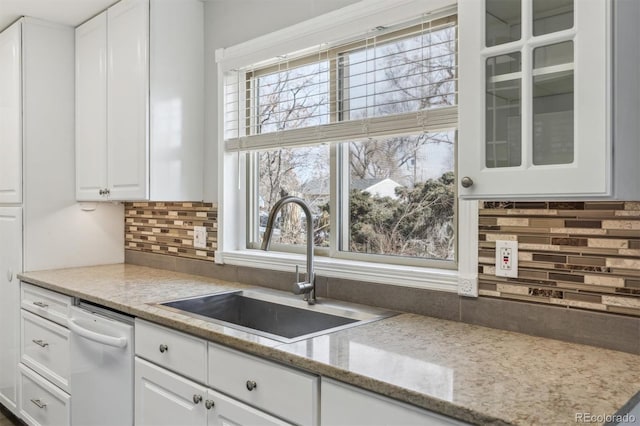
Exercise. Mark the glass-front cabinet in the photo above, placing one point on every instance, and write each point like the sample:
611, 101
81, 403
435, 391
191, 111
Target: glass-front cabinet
535, 96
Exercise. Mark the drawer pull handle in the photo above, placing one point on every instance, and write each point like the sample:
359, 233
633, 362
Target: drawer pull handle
164, 348
40, 343
251, 385
41, 304
197, 399
39, 403
209, 404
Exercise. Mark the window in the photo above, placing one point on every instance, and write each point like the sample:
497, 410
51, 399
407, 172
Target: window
367, 79
365, 132
400, 198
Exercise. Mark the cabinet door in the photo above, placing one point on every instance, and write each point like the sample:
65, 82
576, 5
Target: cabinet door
346, 405
165, 398
10, 266
225, 411
534, 98
127, 99
91, 108
11, 115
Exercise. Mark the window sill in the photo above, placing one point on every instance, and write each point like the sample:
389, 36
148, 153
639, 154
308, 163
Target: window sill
407, 276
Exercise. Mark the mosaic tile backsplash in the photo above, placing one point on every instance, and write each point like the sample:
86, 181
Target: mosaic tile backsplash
583, 255
167, 228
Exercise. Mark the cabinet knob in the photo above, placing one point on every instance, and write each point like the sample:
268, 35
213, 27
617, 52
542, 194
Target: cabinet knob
197, 399
466, 182
209, 404
164, 348
251, 385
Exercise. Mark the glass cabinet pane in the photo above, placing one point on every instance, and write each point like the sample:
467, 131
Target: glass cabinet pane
503, 111
550, 16
553, 104
503, 21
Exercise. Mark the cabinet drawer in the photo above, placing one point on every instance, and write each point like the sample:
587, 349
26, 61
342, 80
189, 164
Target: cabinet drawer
285, 392
44, 346
41, 403
46, 303
171, 349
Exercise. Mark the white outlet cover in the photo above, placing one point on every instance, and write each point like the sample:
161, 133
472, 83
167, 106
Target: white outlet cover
512, 246
200, 237
468, 286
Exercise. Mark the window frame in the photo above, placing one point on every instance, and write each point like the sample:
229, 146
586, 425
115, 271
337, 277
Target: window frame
234, 173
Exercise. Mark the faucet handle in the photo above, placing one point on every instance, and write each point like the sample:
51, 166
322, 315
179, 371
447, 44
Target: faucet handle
302, 287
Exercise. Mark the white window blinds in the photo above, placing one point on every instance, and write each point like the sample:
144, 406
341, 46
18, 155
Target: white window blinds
400, 81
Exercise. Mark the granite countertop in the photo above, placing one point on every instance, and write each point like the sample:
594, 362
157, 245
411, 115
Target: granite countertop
476, 374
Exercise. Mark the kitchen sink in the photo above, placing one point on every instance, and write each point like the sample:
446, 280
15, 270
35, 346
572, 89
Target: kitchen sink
275, 315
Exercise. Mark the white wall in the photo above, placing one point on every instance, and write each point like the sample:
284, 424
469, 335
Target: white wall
229, 22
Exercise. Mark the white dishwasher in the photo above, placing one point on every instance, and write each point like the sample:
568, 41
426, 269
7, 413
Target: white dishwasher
101, 378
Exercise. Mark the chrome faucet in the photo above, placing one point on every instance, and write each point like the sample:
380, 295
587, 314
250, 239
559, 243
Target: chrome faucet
307, 287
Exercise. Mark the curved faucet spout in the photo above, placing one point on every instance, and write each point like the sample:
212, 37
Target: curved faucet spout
307, 287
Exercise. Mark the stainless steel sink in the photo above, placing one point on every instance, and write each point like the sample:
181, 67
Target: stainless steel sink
274, 314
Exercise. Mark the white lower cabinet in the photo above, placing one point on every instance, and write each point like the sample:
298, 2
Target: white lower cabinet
42, 403
347, 405
44, 348
44, 367
45, 303
235, 388
10, 266
227, 411
164, 398
173, 350
285, 392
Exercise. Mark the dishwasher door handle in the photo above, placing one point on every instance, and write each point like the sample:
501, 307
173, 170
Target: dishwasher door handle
118, 342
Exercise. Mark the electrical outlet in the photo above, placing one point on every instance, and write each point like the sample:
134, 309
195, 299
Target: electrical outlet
200, 237
507, 259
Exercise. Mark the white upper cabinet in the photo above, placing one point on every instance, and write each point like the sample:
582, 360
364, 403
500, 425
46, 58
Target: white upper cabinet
538, 91
140, 102
91, 107
11, 115
127, 104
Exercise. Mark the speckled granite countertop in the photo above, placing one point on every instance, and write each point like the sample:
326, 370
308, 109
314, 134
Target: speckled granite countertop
472, 373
